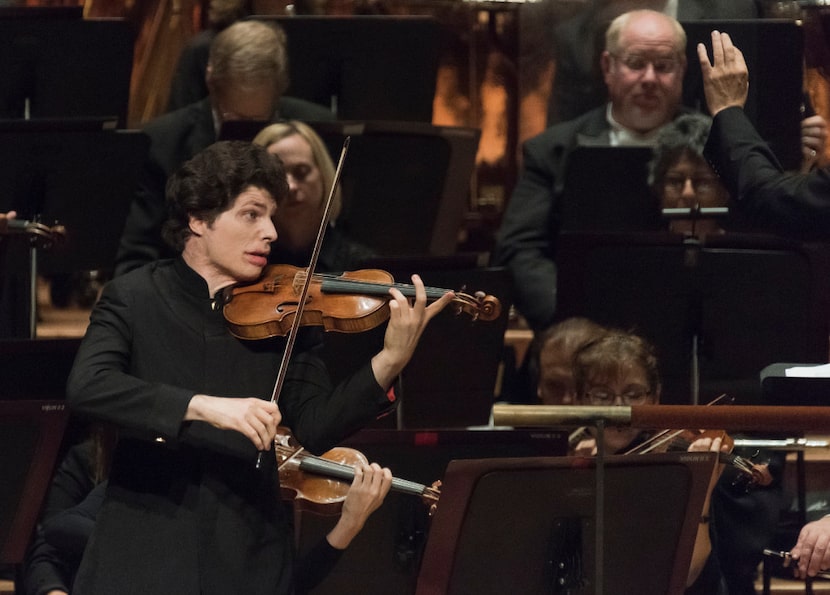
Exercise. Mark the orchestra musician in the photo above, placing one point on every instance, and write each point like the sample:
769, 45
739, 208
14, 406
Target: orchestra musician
77, 491
187, 509
620, 368
310, 172
247, 75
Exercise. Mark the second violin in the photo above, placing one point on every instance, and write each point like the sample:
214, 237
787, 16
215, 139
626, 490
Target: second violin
352, 302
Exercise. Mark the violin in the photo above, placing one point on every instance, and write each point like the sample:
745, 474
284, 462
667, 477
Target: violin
666, 440
43, 236
320, 484
350, 303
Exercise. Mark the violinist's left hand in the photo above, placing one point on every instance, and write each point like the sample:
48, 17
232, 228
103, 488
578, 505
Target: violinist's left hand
369, 488
406, 324
812, 550
708, 444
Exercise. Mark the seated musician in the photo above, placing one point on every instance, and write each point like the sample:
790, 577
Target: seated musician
620, 368
187, 508
77, 491
310, 173
681, 178
553, 358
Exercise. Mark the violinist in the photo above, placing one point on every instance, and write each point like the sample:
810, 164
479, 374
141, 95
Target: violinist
187, 509
310, 174
620, 368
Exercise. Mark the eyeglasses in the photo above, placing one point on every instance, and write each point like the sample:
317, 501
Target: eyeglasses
700, 184
639, 64
602, 396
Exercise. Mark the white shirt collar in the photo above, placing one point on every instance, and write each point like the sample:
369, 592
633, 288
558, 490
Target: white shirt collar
620, 136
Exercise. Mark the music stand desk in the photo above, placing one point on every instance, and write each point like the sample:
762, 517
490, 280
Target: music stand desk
30, 437
495, 528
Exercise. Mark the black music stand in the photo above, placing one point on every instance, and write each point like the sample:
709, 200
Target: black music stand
606, 189
405, 185
55, 66
30, 438
82, 177
774, 53
522, 525
364, 67
718, 309
386, 555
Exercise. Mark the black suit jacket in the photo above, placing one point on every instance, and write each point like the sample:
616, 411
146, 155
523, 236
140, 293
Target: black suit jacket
174, 138
790, 203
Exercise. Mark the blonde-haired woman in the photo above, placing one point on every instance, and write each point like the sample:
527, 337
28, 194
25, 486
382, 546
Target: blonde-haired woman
310, 173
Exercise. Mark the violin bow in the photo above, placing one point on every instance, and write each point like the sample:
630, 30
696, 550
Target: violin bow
315, 254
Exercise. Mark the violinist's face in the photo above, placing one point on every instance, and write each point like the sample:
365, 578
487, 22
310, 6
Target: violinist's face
300, 213
629, 387
235, 247
689, 183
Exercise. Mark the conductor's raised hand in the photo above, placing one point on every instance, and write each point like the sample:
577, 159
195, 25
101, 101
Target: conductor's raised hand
254, 418
726, 79
407, 321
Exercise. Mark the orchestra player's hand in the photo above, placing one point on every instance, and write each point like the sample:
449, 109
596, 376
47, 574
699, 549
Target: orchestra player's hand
726, 79
407, 322
255, 418
813, 141
4, 218
369, 488
812, 550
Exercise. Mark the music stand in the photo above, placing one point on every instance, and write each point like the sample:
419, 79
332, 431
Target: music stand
55, 66
364, 67
30, 437
606, 189
83, 178
506, 525
699, 302
774, 53
386, 556
405, 185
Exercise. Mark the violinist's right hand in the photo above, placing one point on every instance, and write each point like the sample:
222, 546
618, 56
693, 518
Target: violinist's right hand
255, 418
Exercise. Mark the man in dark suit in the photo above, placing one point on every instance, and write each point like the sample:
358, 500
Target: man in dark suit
247, 75
643, 66
792, 203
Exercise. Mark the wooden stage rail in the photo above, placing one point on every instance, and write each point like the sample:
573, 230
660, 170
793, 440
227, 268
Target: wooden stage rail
727, 417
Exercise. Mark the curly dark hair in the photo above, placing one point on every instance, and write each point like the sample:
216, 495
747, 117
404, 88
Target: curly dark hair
209, 183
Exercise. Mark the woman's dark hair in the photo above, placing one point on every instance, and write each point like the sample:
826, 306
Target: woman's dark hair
686, 135
208, 184
609, 356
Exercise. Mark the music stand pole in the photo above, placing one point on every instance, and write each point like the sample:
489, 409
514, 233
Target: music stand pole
33, 291
599, 512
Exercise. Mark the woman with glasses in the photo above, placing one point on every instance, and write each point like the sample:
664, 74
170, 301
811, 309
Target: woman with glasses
681, 178
621, 369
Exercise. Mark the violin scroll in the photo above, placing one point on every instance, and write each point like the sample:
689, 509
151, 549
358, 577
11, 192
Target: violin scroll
479, 306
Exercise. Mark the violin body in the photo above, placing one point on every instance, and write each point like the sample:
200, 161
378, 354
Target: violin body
267, 308
320, 484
